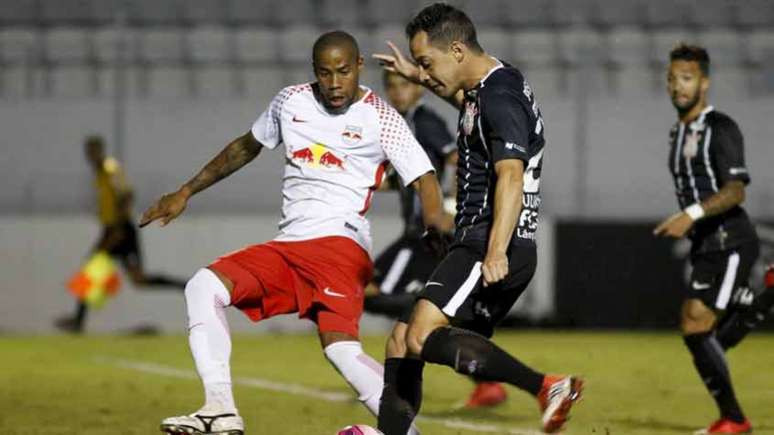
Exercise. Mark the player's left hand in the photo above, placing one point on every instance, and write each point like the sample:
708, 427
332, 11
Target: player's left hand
675, 226
495, 267
436, 242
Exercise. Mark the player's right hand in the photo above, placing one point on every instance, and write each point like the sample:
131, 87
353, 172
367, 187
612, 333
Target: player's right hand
398, 63
166, 208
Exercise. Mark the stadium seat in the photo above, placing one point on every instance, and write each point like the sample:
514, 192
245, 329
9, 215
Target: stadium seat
15, 82
214, 82
255, 45
19, 45
67, 45
535, 47
663, 42
262, 83
251, 12
395, 33
19, 13
729, 82
485, 13
571, 13
710, 14
341, 13
380, 12
160, 45
109, 41
169, 82
527, 13
637, 81
579, 45
725, 46
545, 81
296, 43
667, 14
754, 13
132, 76
761, 46
71, 12
628, 46
72, 81
606, 14
497, 43
297, 74
205, 12
154, 12
211, 44
296, 12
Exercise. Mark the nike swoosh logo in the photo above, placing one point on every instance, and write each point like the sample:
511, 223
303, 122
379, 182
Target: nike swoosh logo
429, 283
329, 292
700, 286
295, 119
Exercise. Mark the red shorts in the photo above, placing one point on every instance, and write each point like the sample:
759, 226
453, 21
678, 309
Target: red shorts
320, 279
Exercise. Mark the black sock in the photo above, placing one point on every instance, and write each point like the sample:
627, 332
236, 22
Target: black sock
471, 354
711, 364
80, 315
164, 281
736, 325
389, 305
402, 395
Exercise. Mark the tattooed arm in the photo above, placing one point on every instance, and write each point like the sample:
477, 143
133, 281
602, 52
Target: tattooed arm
678, 225
235, 155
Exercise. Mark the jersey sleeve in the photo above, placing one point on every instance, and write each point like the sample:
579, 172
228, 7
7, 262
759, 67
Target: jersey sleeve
434, 136
267, 129
401, 147
728, 153
506, 115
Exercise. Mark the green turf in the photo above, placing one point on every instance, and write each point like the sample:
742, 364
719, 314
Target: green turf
636, 384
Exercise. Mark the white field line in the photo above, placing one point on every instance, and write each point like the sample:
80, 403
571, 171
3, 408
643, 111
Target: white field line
300, 390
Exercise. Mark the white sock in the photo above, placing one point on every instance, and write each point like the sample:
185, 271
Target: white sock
209, 339
362, 373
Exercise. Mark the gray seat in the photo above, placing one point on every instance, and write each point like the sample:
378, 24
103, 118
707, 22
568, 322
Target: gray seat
725, 46
296, 12
485, 13
497, 43
761, 46
581, 45
108, 42
637, 81
380, 12
571, 13
19, 45
545, 81
211, 44
215, 82
537, 48
754, 13
160, 45
19, 13
255, 45
296, 43
169, 82
154, 12
72, 82
298, 74
251, 12
68, 45
71, 12
667, 13
341, 13
628, 47
610, 14
262, 83
663, 42
205, 12
528, 13
729, 82
710, 14
15, 82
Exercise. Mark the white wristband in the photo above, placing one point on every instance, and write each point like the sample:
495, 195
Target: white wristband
695, 211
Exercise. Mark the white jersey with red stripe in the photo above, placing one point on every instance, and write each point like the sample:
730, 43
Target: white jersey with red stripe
333, 163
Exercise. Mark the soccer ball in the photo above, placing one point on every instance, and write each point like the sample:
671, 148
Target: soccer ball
359, 429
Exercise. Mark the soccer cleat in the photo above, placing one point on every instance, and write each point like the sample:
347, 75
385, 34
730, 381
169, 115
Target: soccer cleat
556, 398
725, 425
768, 279
198, 424
487, 394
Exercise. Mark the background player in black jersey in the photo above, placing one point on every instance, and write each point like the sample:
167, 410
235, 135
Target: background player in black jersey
402, 269
493, 257
707, 162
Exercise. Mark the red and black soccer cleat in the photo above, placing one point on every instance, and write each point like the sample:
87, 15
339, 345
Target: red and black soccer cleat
556, 398
725, 425
487, 394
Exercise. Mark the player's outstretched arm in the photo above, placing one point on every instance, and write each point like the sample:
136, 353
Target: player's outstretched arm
507, 207
397, 62
677, 226
431, 199
235, 155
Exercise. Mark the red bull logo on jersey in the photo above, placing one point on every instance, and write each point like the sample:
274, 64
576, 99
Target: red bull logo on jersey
352, 134
317, 156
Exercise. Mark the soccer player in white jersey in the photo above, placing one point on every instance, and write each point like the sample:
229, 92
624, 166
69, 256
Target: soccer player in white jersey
338, 136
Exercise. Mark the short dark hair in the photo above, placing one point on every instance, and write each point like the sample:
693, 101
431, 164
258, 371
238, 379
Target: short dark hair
336, 38
692, 53
444, 24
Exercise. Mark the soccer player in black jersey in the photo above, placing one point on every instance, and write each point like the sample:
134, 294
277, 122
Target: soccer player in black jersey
402, 269
706, 159
493, 256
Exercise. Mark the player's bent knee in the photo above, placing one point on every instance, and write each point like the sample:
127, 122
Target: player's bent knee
205, 287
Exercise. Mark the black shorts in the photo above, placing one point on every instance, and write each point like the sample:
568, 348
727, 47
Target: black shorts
404, 266
127, 248
456, 287
721, 279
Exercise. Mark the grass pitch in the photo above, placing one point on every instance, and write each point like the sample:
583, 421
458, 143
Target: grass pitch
636, 383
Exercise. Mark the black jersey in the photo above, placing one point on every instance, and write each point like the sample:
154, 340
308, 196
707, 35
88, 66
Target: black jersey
499, 120
704, 155
434, 136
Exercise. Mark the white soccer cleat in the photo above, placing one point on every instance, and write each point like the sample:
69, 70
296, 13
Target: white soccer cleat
556, 398
202, 424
